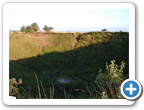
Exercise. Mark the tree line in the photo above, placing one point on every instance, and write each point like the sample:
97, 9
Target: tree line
34, 28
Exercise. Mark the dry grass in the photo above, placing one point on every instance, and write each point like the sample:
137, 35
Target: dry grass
66, 32
40, 39
51, 90
38, 86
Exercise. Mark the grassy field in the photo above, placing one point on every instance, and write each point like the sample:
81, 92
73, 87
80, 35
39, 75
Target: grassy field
52, 56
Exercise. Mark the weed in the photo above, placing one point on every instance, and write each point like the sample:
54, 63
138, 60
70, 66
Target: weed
13, 90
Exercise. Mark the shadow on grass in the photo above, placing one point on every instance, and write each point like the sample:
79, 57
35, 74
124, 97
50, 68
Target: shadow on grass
79, 66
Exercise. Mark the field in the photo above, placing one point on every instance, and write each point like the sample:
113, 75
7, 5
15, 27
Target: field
54, 56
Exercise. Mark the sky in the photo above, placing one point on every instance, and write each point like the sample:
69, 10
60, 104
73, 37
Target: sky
70, 19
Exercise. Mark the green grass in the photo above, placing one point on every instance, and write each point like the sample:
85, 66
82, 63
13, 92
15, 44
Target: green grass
20, 47
81, 66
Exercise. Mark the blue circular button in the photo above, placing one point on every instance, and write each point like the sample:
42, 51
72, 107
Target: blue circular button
130, 89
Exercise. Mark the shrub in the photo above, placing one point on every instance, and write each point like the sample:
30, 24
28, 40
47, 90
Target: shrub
35, 27
109, 82
46, 28
13, 90
29, 29
107, 85
23, 29
104, 30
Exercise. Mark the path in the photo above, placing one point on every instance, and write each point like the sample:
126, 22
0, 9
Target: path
76, 41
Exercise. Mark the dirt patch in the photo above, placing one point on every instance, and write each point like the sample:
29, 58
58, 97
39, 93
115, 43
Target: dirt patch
40, 39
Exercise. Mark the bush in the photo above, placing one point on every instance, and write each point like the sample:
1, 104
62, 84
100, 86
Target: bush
29, 29
35, 27
23, 29
109, 82
13, 90
46, 28
107, 85
104, 30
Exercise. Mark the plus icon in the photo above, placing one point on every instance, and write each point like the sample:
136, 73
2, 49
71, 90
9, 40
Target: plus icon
131, 89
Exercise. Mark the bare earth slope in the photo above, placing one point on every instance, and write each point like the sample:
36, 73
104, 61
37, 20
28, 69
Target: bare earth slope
40, 39
24, 45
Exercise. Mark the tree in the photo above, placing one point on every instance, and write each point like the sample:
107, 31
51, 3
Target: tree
50, 28
35, 27
29, 29
46, 28
104, 30
23, 29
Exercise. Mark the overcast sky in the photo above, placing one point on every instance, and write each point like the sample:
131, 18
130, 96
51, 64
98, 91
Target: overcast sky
70, 19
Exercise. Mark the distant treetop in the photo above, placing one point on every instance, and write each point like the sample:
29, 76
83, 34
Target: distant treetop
34, 28
104, 30
31, 28
23, 29
46, 28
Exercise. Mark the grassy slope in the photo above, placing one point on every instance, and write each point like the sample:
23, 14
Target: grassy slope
80, 66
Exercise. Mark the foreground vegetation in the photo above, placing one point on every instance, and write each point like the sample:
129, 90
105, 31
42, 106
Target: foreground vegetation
52, 56
106, 86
